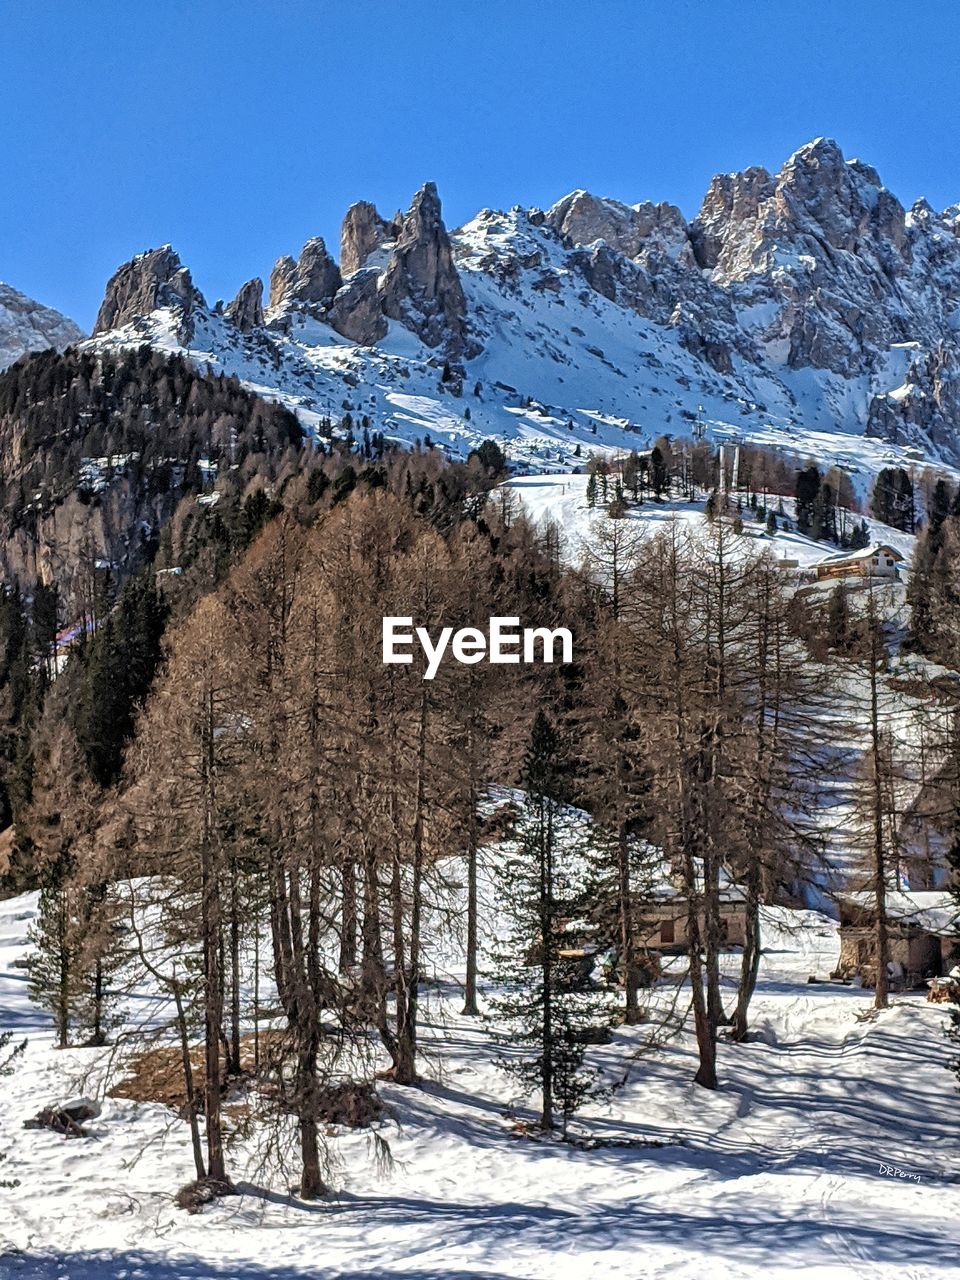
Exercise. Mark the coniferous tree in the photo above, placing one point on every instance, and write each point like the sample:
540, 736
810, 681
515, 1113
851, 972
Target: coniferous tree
119, 666
838, 617
893, 499
860, 537
10, 1054
544, 1017
807, 495
59, 824
659, 475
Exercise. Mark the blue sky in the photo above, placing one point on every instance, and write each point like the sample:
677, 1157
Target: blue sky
236, 130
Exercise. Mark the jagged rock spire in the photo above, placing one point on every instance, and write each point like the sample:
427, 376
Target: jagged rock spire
153, 279
246, 310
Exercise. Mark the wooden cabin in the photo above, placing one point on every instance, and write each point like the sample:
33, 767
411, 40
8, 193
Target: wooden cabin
923, 930
881, 561
664, 926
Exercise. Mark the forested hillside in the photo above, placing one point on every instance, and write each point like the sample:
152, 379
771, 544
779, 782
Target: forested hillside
267, 872
97, 451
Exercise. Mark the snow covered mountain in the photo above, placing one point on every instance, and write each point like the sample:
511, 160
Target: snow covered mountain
805, 309
26, 325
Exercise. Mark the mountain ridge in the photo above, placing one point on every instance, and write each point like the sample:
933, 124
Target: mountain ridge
806, 309
27, 325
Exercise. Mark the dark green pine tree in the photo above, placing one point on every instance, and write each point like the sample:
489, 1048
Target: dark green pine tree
893, 500
921, 590
860, 537
808, 506
838, 617
55, 957
659, 475
592, 490
119, 665
545, 1013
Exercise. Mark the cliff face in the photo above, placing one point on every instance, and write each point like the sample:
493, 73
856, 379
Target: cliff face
97, 451
147, 282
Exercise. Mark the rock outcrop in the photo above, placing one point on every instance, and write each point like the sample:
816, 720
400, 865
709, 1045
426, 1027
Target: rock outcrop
246, 310
281, 277
925, 409
636, 231
147, 282
311, 281
420, 286
362, 232
316, 278
812, 287
356, 313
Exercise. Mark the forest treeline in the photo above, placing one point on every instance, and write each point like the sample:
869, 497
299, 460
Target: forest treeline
223, 768
278, 782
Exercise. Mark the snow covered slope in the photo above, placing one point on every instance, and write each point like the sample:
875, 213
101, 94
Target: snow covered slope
780, 1169
25, 326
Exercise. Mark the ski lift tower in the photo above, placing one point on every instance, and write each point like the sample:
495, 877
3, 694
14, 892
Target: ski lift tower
699, 427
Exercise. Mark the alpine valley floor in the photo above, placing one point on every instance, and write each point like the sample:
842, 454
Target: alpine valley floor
778, 1171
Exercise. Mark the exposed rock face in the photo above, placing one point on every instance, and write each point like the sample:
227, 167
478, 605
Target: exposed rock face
310, 281
637, 231
317, 276
246, 310
926, 408
25, 326
356, 312
151, 280
281, 277
733, 200
809, 292
362, 232
420, 286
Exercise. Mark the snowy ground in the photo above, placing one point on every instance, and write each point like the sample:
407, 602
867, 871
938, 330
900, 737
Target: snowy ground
778, 1170
562, 499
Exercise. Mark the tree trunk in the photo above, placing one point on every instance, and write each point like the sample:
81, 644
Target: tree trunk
750, 961
233, 1063
546, 963
631, 1009
470, 1007
881, 994
63, 975
213, 1016
312, 1185
188, 1084
348, 924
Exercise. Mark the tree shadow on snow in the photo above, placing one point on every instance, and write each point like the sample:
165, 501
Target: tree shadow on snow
147, 1266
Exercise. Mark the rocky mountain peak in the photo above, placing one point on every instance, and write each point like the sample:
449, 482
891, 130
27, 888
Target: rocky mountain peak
147, 282
26, 325
732, 203
246, 309
281, 277
637, 231
420, 286
317, 277
312, 280
363, 231
843, 199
